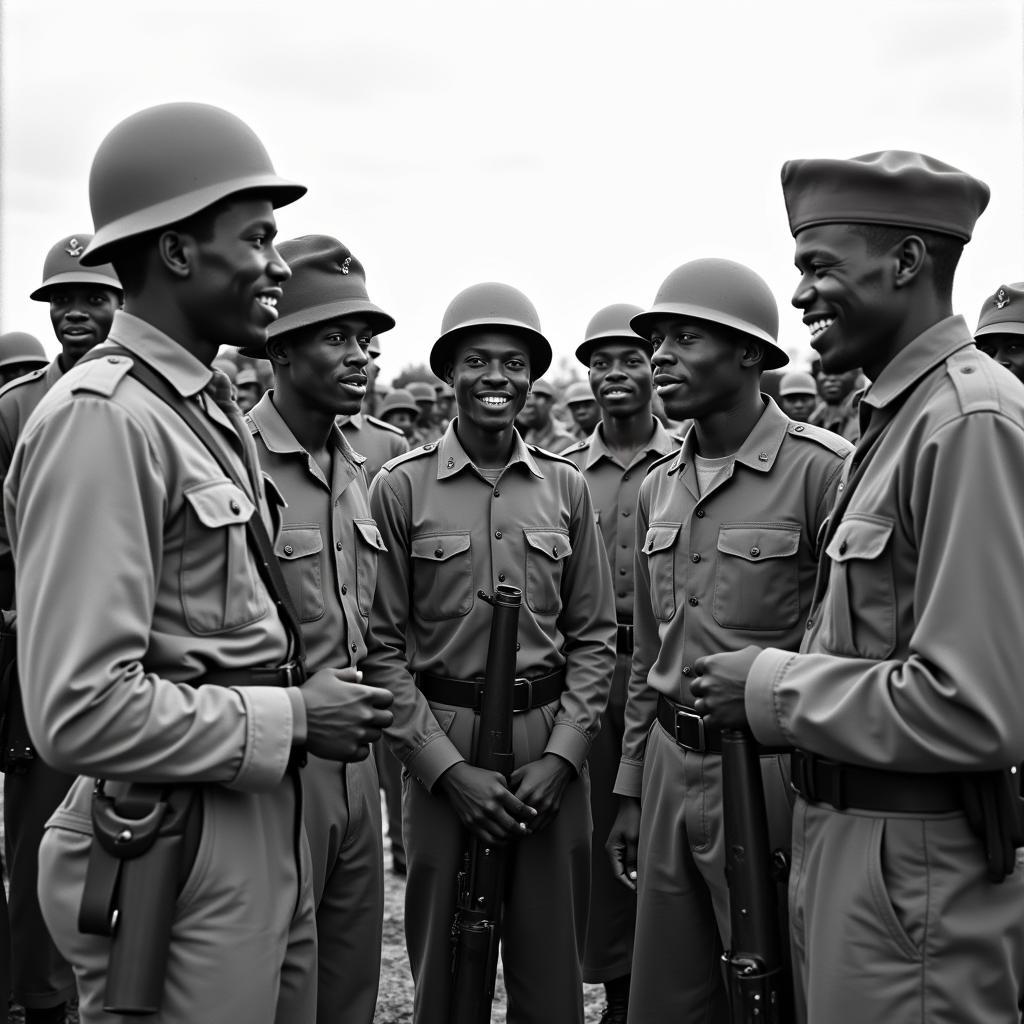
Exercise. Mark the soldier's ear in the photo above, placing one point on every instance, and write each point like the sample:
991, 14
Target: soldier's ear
752, 354
449, 374
277, 351
175, 253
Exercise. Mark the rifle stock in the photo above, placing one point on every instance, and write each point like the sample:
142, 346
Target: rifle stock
476, 928
759, 982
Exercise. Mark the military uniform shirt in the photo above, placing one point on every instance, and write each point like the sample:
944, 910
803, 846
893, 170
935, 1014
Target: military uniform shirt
552, 438
135, 577
378, 442
842, 418
733, 567
450, 533
613, 490
913, 659
328, 542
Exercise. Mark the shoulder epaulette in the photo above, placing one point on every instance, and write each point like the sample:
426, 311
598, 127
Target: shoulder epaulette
973, 376
577, 447
544, 453
383, 426
661, 458
826, 438
101, 376
24, 379
414, 453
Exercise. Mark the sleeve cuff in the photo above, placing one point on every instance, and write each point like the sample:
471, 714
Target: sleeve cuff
428, 764
762, 712
268, 737
569, 744
629, 780
300, 728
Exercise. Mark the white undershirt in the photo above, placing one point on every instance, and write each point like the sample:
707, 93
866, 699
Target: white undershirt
708, 470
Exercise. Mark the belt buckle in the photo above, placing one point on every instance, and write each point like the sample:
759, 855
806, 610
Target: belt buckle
627, 632
694, 730
294, 672
522, 681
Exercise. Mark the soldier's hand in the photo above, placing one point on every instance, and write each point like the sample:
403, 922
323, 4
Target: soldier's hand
484, 804
720, 688
541, 784
622, 841
343, 717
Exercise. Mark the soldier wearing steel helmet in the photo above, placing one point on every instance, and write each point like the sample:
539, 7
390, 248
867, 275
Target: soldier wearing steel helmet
614, 459
583, 408
20, 353
476, 509
82, 302
904, 704
181, 674
726, 553
537, 420
328, 546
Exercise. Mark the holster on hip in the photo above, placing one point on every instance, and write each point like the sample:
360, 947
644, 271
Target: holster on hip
995, 813
144, 844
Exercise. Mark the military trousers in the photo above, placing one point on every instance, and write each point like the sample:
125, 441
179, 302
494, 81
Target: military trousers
682, 921
548, 890
40, 976
609, 946
243, 938
389, 772
341, 810
894, 919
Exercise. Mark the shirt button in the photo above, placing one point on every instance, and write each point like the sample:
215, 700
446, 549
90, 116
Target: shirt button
625, 476
497, 534
338, 545
623, 546
810, 623
754, 552
501, 577
763, 456
288, 549
622, 572
235, 507
695, 557
497, 493
353, 648
842, 548
626, 513
699, 513
694, 601
518, 646
799, 428
840, 487
344, 588
687, 670
438, 552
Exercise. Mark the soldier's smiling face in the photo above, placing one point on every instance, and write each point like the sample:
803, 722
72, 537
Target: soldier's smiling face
1006, 349
490, 372
620, 377
81, 315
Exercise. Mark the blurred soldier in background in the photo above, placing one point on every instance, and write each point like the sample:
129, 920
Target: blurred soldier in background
425, 428
248, 386
328, 546
537, 421
585, 412
614, 459
82, 303
400, 410
1000, 331
837, 410
20, 353
798, 395
444, 406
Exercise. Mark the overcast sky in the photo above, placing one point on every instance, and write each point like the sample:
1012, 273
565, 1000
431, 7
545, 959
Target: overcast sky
579, 151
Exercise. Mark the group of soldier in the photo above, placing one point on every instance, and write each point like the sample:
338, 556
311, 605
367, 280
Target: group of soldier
223, 605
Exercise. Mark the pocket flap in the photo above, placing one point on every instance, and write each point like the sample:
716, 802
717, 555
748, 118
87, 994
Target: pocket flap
756, 543
220, 503
553, 543
298, 541
368, 531
859, 537
660, 537
438, 547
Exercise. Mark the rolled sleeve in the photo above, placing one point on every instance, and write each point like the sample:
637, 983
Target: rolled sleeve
269, 722
762, 713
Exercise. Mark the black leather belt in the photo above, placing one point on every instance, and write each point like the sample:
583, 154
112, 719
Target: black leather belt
465, 693
291, 673
624, 638
687, 728
821, 780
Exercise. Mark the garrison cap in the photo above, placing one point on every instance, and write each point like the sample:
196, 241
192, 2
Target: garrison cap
1003, 313
797, 382
399, 399
579, 391
63, 266
893, 187
544, 387
21, 347
609, 323
327, 283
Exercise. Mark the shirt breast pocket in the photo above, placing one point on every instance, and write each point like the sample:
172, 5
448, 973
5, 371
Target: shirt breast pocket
660, 549
442, 572
546, 552
859, 612
219, 584
298, 549
757, 577
369, 545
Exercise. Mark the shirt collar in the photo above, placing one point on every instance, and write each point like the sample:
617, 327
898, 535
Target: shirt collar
278, 438
929, 349
452, 458
758, 451
356, 420
186, 374
660, 442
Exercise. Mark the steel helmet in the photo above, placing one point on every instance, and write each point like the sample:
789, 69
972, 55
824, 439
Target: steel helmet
579, 391
19, 347
168, 162
399, 399
491, 305
62, 266
722, 292
611, 322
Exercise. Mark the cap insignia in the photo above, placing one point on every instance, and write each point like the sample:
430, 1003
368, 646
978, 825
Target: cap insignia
74, 247
346, 263
1002, 299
